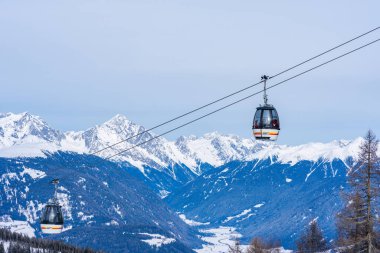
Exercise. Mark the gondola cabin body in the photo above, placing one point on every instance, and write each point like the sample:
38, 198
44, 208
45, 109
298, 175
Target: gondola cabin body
266, 123
52, 219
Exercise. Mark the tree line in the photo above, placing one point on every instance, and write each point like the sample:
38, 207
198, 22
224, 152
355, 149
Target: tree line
358, 223
19, 243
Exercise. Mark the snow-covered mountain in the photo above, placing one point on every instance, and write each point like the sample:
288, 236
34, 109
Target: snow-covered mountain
26, 135
164, 165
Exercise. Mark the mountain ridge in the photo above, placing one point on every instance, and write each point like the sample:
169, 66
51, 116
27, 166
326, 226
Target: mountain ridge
213, 148
164, 165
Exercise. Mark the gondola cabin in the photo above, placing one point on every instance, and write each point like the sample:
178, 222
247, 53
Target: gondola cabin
52, 219
266, 123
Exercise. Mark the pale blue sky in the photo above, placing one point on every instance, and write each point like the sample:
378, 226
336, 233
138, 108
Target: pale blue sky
77, 63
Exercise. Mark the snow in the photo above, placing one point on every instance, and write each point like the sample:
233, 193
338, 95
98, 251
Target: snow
204, 151
173, 151
288, 180
192, 223
73, 142
117, 209
26, 135
222, 238
7, 176
33, 149
164, 193
33, 173
243, 213
259, 205
309, 174
157, 240
314, 220
311, 152
81, 180
64, 201
282, 250
84, 217
112, 223
137, 164
22, 227
31, 210
219, 240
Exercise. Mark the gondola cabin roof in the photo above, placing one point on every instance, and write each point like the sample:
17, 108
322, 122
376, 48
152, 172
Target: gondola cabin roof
265, 107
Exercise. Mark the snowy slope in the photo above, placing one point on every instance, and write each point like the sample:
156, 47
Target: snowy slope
309, 152
17, 129
26, 135
217, 149
99, 200
266, 198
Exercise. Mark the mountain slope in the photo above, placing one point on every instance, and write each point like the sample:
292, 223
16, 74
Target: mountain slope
100, 200
266, 198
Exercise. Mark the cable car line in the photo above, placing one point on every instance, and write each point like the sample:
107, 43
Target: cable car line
325, 52
234, 93
244, 98
178, 117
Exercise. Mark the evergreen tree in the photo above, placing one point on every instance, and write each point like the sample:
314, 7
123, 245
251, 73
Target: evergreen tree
258, 245
2, 250
351, 225
22, 244
236, 248
357, 223
312, 240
